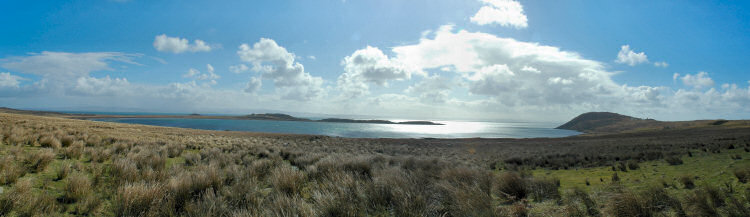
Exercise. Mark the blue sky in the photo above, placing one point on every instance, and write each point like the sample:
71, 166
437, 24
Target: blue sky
487, 59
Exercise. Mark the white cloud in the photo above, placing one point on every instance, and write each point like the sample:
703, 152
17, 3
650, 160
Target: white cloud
238, 68
312, 57
370, 65
501, 12
276, 63
191, 73
102, 86
492, 80
66, 65
433, 89
510, 71
254, 85
530, 69
8, 80
699, 80
627, 56
60, 71
210, 76
675, 76
661, 64
165, 43
559, 80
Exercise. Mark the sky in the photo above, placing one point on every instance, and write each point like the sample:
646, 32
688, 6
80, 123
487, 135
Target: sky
417, 59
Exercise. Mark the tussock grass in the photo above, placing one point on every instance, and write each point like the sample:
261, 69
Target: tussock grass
287, 180
124, 170
39, 160
10, 170
78, 187
50, 141
139, 199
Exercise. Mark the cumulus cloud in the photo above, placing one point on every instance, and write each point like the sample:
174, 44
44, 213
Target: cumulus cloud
370, 65
209, 76
433, 89
501, 12
492, 80
699, 80
102, 86
279, 65
8, 80
254, 85
165, 43
513, 72
628, 56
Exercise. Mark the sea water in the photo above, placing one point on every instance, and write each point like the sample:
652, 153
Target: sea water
450, 129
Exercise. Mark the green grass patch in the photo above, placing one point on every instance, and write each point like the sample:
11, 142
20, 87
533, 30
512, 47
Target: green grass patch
708, 168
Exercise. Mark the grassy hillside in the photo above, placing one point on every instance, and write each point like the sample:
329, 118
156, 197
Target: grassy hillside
608, 122
54, 166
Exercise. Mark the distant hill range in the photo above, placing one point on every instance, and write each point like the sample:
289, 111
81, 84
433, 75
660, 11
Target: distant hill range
29, 112
266, 116
608, 122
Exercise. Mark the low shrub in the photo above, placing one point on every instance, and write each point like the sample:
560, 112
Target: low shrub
578, 201
511, 186
67, 140
174, 150
688, 181
742, 174
633, 165
544, 189
192, 159
704, 202
673, 160
627, 204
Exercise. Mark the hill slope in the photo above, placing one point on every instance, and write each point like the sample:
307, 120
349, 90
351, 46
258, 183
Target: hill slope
605, 122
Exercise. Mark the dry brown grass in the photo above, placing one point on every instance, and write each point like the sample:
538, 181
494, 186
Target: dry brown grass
128, 170
10, 170
139, 199
287, 180
50, 141
78, 187
39, 160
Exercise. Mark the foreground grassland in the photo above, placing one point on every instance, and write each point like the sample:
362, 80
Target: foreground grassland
53, 166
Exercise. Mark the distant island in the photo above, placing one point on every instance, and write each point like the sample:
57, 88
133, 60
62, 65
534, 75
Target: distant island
285, 117
264, 116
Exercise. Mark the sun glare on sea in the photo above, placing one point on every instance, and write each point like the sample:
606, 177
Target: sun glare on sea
449, 127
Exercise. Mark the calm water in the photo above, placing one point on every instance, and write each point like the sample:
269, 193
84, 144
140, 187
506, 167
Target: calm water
451, 129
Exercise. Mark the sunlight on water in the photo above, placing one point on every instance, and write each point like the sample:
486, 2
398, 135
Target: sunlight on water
450, 129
